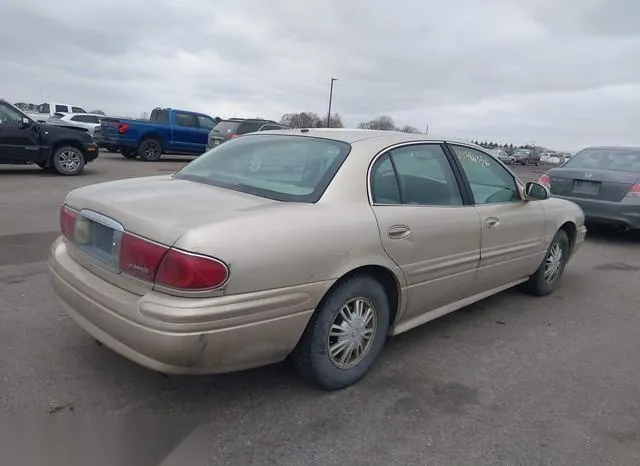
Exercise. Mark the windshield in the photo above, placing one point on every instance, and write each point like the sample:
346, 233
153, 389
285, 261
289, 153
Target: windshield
521, 153
284, 168
606, 159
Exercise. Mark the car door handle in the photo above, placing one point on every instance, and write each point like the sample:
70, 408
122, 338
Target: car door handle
398, 231
492, 222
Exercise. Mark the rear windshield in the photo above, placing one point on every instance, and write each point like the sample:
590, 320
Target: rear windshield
284, 168
226, 127
607, 159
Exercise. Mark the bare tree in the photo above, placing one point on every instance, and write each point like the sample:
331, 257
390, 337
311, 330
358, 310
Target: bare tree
383, 122
409, 129
302, 120
334, 122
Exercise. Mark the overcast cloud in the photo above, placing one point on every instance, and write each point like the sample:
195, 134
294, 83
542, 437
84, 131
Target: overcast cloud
563, 73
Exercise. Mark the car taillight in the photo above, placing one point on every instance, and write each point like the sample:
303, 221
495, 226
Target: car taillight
545, 180
634, 191
139, 257
186, 271
122, 128
68, 221
169, 267
233, 136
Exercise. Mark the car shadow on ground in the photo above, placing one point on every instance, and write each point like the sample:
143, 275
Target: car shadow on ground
192, 395
606, 234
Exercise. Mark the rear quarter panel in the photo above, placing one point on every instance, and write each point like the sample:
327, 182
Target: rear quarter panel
292, 245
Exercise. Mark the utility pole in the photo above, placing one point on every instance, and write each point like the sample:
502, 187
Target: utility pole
427, 131
330, 97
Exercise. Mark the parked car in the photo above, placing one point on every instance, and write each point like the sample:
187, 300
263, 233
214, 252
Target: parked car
24, 141
226, 130
604, 182
313, 244
49, 109
89, 121
167, 131
526, 157
503, 156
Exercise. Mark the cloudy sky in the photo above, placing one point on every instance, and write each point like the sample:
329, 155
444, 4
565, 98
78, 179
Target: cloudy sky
562, 73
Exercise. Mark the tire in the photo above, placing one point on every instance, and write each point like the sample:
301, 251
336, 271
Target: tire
311, 357
129, 153
537, 284
68, 161
150, 150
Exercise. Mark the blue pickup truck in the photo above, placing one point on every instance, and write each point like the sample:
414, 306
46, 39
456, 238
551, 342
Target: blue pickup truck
167, 131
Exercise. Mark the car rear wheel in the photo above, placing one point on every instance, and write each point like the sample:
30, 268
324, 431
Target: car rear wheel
68, 161
150, 150
345, 334
547, 277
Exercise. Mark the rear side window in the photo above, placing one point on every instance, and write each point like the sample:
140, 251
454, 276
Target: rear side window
284, 168
186, 119
77, 110
248, 127
417, 174
226, 127
160, 115
62, 108
270, 127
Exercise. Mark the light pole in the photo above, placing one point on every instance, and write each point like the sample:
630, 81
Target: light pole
330, 97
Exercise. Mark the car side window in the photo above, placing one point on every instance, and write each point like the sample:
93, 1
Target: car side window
9, 116
490, 182
77, 110
206, 122
62, 108
186, 119
384, 184
248, 127
270, 127
423, 176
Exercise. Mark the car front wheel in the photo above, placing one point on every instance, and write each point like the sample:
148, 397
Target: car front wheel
345, 335
547, 277
68, 161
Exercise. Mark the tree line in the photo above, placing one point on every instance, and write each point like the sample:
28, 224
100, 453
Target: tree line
313, 120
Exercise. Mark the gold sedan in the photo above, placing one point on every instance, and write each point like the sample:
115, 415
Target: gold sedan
309, 244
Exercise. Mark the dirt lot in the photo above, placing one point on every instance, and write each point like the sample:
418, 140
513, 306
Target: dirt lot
512, 380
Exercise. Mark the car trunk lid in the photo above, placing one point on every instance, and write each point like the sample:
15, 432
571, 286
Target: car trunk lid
600, 184
159, 209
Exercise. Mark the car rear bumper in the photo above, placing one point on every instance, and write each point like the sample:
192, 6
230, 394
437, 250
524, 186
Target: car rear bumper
626, 212
184, 335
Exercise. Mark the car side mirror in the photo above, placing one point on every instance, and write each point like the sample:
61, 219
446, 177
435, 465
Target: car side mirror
25, 123
535, 191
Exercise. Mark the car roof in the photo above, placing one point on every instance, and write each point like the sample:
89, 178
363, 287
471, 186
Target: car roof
257, 120
356, 135
83, 113
614, 147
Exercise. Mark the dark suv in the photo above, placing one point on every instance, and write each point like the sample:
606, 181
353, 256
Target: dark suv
64, 149
234, 127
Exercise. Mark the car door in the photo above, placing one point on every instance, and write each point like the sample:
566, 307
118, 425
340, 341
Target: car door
187, 136
513, 230
425, 225
18, 143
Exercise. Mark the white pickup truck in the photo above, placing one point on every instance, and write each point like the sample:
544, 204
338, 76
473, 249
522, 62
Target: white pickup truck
48, 109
